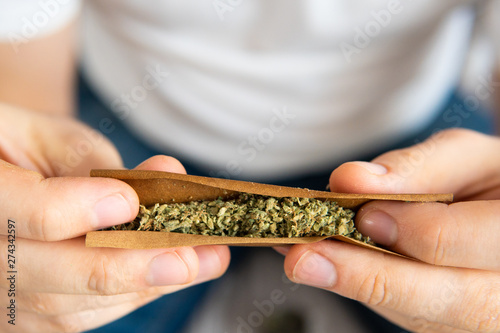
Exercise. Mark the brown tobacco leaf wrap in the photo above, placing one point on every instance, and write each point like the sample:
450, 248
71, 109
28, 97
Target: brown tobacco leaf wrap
165, 187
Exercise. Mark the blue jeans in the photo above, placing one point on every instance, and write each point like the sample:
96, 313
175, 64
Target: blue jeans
170, 313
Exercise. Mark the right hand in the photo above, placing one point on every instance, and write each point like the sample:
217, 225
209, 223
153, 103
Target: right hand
60, 285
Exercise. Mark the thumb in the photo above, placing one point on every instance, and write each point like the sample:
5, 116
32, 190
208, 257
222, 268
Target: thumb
453, 161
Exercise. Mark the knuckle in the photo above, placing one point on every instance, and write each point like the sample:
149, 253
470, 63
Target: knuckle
37, 225
439, 255
103, 275
67, 323
151, 292
374, 289
457, 135
41, 224
423, 325
453, 133
436, 246
485, 306
41, 304
437, 239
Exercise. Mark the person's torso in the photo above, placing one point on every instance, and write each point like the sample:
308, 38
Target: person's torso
260, 89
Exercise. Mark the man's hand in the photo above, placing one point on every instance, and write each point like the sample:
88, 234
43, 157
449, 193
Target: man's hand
455, 285
62, 286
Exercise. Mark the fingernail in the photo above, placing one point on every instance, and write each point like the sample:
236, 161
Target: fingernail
315, 270
167, 269
379, 226
210, 265
373, 168
112, 210
282, 249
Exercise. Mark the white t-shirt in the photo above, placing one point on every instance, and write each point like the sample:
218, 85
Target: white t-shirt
267, 89
26, 20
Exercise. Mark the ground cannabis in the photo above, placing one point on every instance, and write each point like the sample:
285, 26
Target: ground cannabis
249, 215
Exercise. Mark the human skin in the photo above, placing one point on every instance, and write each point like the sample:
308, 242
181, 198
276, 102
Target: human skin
62, 286
45, 158
455, 284
40, 78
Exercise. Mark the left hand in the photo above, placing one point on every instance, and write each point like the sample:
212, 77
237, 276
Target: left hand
455, 287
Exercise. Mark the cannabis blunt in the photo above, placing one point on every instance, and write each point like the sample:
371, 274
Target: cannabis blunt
249, 215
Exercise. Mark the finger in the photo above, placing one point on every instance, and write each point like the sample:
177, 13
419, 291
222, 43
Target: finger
55, 304
73, 149
76, 322
91, 319
464, 299
58, 304
48, 304
462, 234
107, 271
53, 146
210, 268
162, 163
51, 304
456, 161
60, 208
415, 324
283, 250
